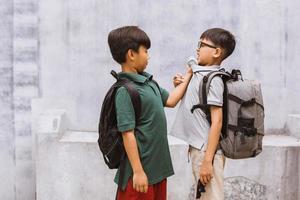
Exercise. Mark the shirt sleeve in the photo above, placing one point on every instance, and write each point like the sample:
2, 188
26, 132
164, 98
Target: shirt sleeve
215, 93
164, 95
124, 110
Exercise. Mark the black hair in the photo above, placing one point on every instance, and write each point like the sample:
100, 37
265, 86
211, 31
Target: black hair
221, 38
122, 39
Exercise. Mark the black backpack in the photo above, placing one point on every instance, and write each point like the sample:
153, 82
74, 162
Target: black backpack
110, 139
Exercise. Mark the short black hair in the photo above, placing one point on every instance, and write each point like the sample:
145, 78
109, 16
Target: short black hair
221, 38
122, 39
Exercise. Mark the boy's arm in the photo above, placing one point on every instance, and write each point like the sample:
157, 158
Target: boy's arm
206, 170
140, 180
179, 90
126, 124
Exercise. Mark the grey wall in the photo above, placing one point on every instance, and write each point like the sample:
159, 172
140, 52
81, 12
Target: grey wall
74, 60
26, 87
7, 145
19, 82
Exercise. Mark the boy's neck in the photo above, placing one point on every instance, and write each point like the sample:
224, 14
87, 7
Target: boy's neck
217, 63
128, 68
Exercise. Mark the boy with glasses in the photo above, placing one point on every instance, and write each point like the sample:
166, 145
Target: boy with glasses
214, 46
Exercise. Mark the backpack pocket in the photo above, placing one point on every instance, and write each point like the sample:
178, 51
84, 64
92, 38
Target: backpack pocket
245, 139
245, 143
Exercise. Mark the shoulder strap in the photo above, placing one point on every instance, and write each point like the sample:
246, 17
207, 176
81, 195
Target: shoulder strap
134, 96
133, 93
114, 74
204, 89
205, 84
136, 102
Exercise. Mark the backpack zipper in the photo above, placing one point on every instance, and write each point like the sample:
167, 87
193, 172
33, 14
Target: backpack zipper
110, 150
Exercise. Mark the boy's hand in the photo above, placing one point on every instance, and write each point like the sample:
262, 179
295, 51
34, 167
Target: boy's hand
206, 172
178, 79
140, 182
180, 82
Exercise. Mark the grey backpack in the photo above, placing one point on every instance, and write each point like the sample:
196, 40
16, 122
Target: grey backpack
243, 114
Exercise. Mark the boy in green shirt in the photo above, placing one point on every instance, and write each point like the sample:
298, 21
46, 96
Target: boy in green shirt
148, 162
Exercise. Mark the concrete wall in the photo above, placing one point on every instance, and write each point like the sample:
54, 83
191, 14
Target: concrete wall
18, 85
70, 40
26, 87
75, 58
7, 145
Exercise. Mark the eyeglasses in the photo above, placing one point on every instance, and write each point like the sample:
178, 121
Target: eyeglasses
203, 44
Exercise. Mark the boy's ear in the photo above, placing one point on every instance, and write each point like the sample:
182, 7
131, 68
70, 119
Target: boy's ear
130, 55
218, 53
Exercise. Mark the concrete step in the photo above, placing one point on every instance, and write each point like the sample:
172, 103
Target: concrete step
69, 165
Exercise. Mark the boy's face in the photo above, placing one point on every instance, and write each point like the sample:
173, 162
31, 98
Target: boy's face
141, 58
206, 52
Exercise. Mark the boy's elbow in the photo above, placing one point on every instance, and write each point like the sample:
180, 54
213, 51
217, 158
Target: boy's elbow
170, 103
217, 123
128, 134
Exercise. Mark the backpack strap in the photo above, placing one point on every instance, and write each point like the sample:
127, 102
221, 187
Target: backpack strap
205, 84
135, 99
114, 74
133, 93
136, 102
204, 89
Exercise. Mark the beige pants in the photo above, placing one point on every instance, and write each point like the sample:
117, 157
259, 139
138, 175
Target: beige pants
215, 188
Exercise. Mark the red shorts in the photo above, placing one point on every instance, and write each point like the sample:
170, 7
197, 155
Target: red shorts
157, 191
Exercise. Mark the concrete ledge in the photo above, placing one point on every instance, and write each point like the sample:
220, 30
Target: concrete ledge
74, 164
52, 122
92, 137
268, 140
75, 168
79, 136
293, 124
281, 141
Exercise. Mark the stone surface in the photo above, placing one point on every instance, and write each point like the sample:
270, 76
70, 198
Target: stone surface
79, 171
241, 188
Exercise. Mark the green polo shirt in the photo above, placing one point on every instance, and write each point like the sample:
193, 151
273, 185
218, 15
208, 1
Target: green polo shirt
152, 142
